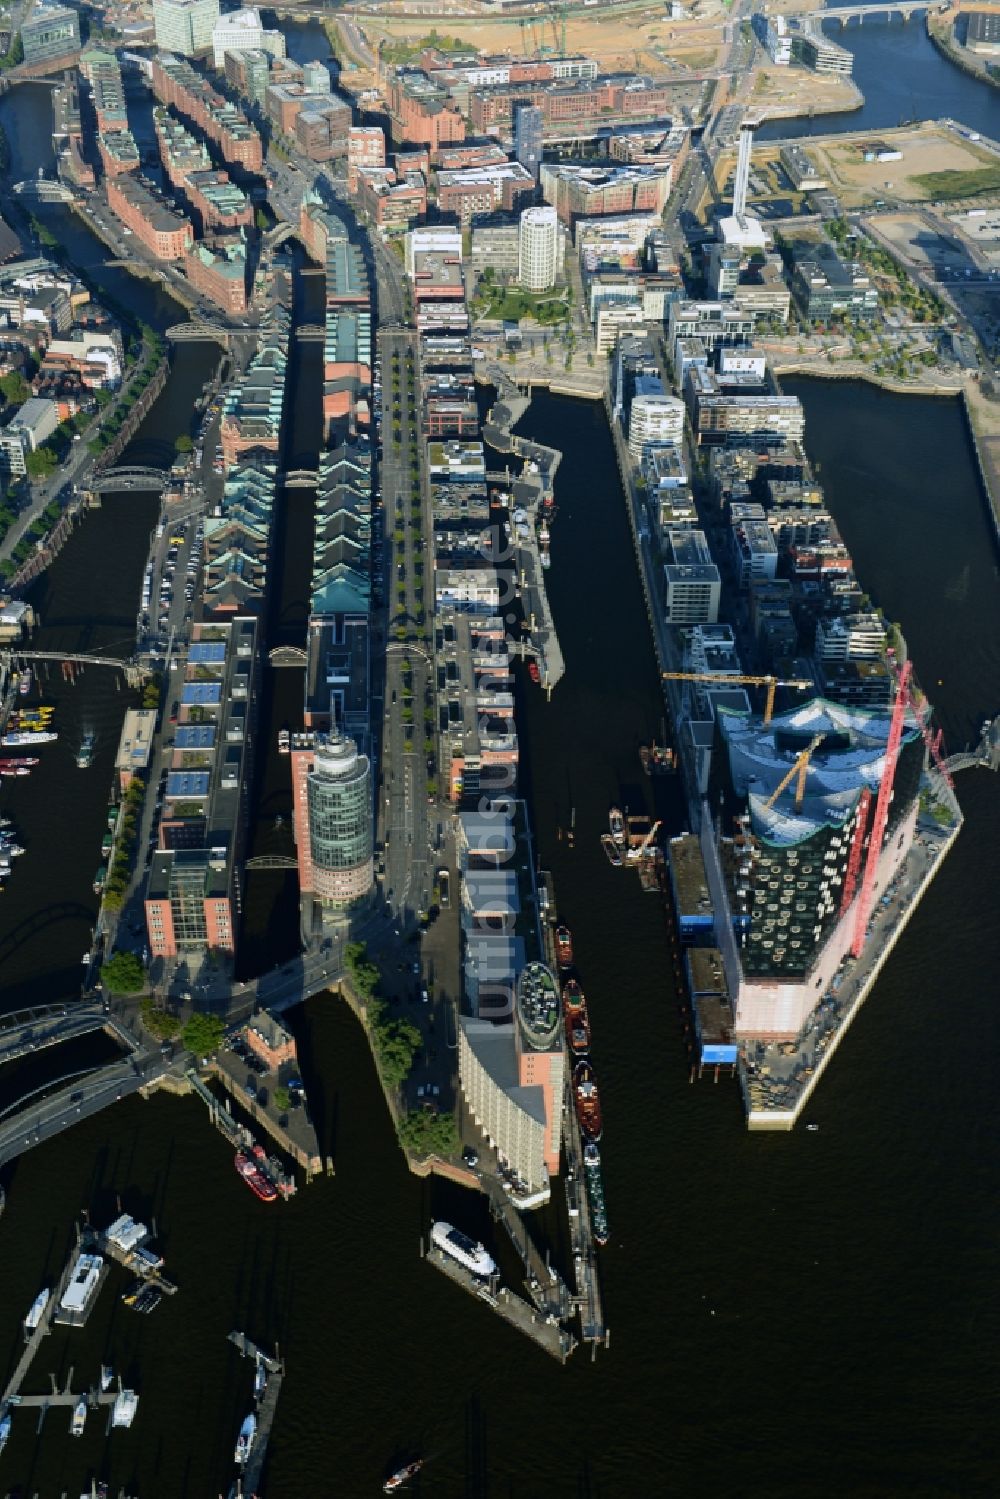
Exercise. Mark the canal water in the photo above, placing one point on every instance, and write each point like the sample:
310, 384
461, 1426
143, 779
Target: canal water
903, 77
807, 1314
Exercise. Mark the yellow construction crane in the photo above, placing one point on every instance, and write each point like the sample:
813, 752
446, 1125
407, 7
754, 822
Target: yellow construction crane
735, 679
800, 768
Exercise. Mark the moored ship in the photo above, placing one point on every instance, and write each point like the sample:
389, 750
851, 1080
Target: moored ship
24, 685
595, 1193
258, 1182
460, 1247
533, 672
564, 947
611, 849
284, 742
78, 1420
616, 826
587, 1100
29, 736
577, 1022
35, 1311
401, 1476
245, 1440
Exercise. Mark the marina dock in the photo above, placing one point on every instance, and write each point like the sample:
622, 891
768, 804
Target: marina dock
249, 1480
31, 1347
545, 1330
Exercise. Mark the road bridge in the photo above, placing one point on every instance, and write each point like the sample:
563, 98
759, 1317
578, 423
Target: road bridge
47, 1025
43, 1120
310, 333
277, 236
131, 669
299, 478
844, 13
128, 477
272, 861
287, 655
198, 332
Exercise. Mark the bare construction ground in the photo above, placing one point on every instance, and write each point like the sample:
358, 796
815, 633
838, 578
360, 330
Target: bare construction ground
643, 39
918, 242
926, 150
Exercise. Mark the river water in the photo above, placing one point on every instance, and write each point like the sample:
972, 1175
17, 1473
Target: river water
811, 1314
903, 77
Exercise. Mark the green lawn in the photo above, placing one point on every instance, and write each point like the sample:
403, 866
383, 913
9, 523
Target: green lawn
969, 184
512, 304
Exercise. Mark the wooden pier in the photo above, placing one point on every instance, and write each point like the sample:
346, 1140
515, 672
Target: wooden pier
31, 1347
545, 1330
65, 1399
248, 1480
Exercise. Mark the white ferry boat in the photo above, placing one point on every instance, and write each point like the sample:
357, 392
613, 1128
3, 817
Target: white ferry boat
463, 1249
36, 1309
82, 1283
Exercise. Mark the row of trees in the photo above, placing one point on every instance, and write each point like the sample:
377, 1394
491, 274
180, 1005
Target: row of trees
125, 840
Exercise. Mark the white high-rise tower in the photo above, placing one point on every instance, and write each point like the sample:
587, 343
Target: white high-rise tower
743, 168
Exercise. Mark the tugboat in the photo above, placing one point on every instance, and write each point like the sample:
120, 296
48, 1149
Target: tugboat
85, 753
284, 742
587, 1101
564, 947
595, 1193
577, 1019
534, 673
255, 1178
616, 825
401, 1476
245, 1440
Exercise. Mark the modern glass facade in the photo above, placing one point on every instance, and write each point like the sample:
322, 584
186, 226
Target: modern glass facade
339, 797
50, 34
185, 26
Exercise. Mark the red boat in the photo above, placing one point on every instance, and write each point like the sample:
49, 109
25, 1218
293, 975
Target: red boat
577, 1022
255, 1178
533, 671
564, 947
587, 1101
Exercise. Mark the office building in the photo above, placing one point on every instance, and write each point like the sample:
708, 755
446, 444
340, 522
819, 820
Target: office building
249, 73
693, 584
811, 46
333, 814
185, 26
528, 137
654, 420
825, 287
243, 31
50, 35
538, 245
193, 892
982, 32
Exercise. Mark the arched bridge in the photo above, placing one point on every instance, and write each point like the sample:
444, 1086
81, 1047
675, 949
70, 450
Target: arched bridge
287, 655
132, 671
299, 478
129, 478
277, 236
47, 1025
272, 861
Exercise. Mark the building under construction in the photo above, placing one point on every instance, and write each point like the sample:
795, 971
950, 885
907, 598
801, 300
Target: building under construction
820, 805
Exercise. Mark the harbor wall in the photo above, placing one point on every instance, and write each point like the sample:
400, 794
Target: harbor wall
785, 1119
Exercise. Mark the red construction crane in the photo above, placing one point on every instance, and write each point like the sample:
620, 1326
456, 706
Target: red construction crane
857, 845
882, 807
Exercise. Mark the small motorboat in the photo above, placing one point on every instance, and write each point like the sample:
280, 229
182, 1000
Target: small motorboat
79, 1418
401, 1476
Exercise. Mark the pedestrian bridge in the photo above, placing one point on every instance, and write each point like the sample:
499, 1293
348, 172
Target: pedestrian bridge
190, 333
299, 478
985, 754
287, 655
277, 236
310, 333
116, 479
131, 669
